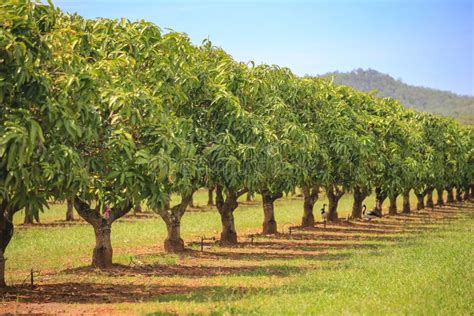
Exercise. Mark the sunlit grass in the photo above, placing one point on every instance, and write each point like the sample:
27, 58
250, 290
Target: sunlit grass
71, 246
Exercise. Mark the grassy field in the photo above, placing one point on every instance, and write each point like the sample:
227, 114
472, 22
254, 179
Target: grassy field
406, 264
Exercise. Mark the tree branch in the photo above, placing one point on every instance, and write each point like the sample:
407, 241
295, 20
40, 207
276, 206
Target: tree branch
83, 209
116, 212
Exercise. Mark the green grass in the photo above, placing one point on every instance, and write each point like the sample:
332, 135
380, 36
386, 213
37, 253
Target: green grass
72, 246
419, 264
431, 274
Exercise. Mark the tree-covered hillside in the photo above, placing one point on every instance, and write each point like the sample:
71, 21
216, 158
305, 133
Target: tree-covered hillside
420, 98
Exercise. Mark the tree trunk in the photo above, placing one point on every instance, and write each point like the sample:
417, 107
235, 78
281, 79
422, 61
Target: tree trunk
450, 196
102, 223
359, 197
310, 197
406, 202
429, 198
226, 209
249, 197
191, 203
173, 242
392, 209
28, 218
420, 204
269, 223
69, 210
439, 201
334, 195
332, 209
6, 234
3, 284
210, 199
467, 195
459, 194
102, 255
228, 234
168, 203
172, 218
380, 197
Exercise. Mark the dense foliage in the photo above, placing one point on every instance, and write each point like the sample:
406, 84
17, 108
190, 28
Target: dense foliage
112, 113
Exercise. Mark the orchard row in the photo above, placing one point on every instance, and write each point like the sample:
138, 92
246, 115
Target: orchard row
112, 113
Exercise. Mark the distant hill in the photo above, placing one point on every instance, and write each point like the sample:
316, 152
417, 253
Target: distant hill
420, 98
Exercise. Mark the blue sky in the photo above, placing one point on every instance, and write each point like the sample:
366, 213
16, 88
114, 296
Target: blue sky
423, 42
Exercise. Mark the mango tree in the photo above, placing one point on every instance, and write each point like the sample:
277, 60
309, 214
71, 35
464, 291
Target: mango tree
343, 138
117, 175
364, 156
39, 77
306, 97
269, 95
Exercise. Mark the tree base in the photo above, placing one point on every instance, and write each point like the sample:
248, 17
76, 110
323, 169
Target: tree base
102, 259
174, 245
270, 228
228, 239
307, 221
333, 217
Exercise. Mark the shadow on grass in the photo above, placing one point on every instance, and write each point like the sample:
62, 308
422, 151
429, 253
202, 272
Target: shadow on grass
89, 293
56, 223
268, 255
328, 236
188, 271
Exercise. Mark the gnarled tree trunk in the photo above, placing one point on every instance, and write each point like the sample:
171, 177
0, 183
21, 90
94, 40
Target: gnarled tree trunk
172, 218
439, 200
210, 199
429, 198
359, 196
226, 209
269, 222
69, 210
102, 254
420, 198
102, 224
380, 197
450, 195
6, 234
334, 194
310, 195
392, 209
